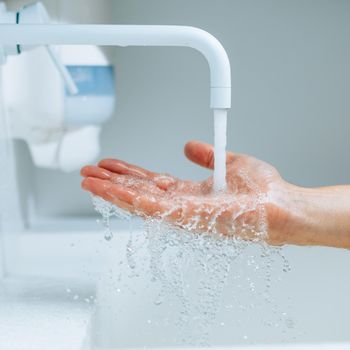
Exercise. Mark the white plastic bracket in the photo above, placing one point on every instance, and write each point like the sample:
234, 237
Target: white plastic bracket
33, 14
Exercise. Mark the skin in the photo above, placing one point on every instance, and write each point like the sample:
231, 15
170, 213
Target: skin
257, 204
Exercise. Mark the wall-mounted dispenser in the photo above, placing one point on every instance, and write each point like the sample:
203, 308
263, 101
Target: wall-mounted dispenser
57, 102
135, 35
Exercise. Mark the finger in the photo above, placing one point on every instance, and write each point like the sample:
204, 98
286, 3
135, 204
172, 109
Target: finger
149, 206
121, 180
142, 202
121, 167
119, 195
94, 171
203, 154
163, 181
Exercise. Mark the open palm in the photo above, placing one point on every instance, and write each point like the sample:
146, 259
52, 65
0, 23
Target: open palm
246, 209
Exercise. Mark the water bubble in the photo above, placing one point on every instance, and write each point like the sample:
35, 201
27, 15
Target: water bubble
108, 210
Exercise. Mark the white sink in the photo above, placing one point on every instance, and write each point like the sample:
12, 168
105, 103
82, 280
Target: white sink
39, 314
39, 308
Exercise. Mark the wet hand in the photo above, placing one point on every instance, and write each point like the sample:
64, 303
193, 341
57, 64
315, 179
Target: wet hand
247, 209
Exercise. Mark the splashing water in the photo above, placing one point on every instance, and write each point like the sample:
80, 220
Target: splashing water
220, 126
194, 265
194, 268
108, 210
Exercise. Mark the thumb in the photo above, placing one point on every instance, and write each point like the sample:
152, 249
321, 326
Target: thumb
203, 154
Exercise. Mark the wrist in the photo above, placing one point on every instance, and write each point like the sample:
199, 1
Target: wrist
306, 216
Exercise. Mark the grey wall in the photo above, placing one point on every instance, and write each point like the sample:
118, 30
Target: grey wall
291, 85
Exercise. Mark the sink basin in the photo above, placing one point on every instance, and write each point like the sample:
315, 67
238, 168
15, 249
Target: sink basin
75, 290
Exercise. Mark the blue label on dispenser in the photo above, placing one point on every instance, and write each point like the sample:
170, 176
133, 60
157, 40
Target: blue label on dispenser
93, 80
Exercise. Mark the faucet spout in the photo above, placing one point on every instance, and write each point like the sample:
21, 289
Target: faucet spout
132, 35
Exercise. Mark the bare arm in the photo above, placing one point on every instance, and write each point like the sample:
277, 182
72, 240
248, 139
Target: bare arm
257, 200
317, 216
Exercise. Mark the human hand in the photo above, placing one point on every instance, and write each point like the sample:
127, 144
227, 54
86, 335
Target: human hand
248, 208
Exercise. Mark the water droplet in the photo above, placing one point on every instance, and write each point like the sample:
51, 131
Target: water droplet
108, 235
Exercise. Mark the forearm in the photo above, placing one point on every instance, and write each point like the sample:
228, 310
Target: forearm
319, 216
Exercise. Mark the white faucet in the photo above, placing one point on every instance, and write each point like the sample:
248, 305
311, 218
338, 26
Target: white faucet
131, 35
28, 28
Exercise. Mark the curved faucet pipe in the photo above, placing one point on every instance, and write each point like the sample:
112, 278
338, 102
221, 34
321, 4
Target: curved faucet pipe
132, 35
